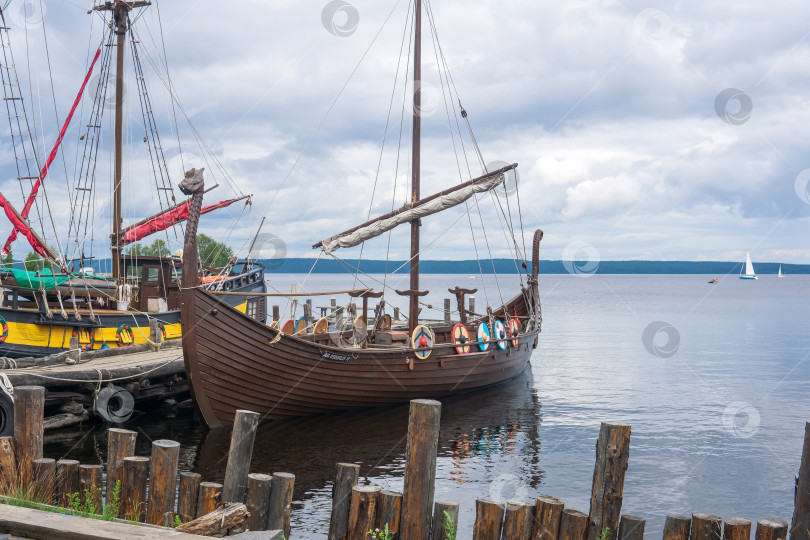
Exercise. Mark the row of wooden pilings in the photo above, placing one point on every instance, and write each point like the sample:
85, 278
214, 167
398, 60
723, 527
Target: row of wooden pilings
249, 500
258, 501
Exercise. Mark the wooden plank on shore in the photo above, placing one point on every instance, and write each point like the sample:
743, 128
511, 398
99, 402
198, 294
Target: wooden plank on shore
345, 478
612, 454
39, 524
439, 519
800, 524
677, 527
547, 515
420, 469
219, 521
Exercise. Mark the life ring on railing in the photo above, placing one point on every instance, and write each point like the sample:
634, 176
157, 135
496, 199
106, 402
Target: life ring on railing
227, 285
4, 335
162, 328
91, 335
119, 335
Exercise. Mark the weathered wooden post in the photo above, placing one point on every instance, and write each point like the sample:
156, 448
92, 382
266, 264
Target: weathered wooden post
280, 507
573, 525
737, 529
547, 515
187, 495
488, 519
67, 475
134, 474
162, 480
276, 314
517, 523
345, 478
389, 509
8, 465
239, 456
74, 350
155, 336
91, 480
44, 477
29, 411
631, 528
333, 304
257, 500
771, 529
612, 454
420, 469
800, 524
308, 311
120, 444
447, 310
396, 313
677, 527
706, 527
363, 511
209, 498
439, 518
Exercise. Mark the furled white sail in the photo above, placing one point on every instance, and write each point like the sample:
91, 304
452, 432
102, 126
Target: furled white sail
409, 213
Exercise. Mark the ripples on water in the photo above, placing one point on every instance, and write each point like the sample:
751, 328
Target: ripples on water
716, 427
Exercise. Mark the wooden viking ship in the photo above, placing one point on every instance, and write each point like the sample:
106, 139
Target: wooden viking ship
68, 296
234, 362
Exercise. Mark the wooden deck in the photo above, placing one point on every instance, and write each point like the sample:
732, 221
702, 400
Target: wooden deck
109, 368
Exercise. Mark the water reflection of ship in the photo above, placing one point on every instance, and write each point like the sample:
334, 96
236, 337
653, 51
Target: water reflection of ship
476, 425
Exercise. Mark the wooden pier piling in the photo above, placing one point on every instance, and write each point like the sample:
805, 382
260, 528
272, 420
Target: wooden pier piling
280, 508
208, 499
771, 529
737, 529
706, 527
517, 523
363, 511
612, 454
439, 518
239, 455
547, 515
8, 465
420, 469
44, 478
573, 525
134, 475
120, 444
91, 482
488, 519
257, 500
67, 480
187, 495
162, 480
389, 509
29, 412
800, 524
631, 528
677, 527
447, 310
345, 478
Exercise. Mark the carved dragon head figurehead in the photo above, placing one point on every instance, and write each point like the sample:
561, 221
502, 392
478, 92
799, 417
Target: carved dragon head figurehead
193, 182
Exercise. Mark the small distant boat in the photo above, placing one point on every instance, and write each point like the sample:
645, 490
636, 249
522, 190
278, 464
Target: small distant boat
749, 269
780, 274
713, 280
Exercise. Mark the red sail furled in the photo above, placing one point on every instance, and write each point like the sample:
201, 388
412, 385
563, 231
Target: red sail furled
21, 226
35, 189
167, 219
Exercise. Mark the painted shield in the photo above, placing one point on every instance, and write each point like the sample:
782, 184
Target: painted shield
301, 326
461, 339
288, 327
321, 326
422, 341
514, 332
500, 334
483, 336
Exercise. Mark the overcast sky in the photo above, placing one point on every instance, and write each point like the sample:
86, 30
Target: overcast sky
675, 132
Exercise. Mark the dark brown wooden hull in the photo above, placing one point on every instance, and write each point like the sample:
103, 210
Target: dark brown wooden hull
234, 362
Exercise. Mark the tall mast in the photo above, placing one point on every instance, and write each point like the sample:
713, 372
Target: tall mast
120, 10
413, 314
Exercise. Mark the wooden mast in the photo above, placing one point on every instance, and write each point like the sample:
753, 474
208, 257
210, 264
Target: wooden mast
120, 10
413, 314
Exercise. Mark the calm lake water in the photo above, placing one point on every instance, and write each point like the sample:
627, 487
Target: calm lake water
717, 399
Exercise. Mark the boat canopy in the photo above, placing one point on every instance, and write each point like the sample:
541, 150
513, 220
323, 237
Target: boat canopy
410, 212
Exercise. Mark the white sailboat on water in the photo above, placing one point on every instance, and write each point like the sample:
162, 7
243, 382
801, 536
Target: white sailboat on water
780, 274
749, 269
